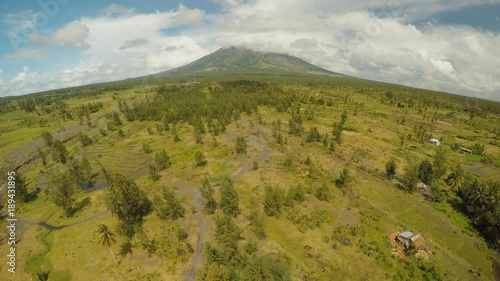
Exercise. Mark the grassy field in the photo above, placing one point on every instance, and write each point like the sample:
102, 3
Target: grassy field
367, 214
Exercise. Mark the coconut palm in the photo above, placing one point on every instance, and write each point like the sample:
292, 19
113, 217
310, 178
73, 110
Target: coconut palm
125, 249
106, 238
42, 275
456, 178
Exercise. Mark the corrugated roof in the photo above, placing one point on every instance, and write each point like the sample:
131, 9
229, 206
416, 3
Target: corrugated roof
415, 237
406, 234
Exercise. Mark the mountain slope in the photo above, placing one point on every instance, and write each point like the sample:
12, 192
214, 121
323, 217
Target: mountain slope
234, 60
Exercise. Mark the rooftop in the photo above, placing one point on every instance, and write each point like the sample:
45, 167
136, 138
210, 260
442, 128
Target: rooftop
406, 234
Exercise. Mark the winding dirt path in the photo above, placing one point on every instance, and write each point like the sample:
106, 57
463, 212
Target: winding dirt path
197, 199
59, 227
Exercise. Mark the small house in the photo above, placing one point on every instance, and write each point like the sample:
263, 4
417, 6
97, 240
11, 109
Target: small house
408, 238
434, 141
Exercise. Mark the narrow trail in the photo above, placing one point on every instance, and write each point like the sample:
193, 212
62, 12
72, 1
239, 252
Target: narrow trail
59, 227
197, 199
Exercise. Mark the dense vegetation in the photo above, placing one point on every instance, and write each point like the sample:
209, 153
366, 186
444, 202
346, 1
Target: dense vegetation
318, 169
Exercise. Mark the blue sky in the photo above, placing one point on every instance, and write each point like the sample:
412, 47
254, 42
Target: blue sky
430, 44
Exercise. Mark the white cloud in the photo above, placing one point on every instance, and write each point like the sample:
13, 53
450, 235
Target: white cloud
1, 77
17, 22
304, 43
458, 59
133, 43
169, 57
338, 35
117, 9
27, 54
87, 71
73, 35
188, 16
24, 79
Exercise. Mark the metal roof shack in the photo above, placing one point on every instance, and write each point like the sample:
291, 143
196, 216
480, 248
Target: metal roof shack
464, 150
408, 238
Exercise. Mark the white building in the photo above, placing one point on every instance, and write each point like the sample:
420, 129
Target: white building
435, 141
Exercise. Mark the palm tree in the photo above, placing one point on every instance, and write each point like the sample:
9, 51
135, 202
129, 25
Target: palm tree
125, 249
106, 238
456, 178
42, 275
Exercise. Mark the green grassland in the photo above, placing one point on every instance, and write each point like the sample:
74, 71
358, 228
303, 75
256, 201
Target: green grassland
305, 236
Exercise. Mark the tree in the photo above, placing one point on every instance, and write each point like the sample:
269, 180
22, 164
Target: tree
390, 168
125, 249
273, 201
344, 179
63, 192
229, 199
313, 135
439, 165
478, 149
153, 172
22, 193
162, 160
42, 275
167, 206
42, 156
255, 165
59, 152
337, 132
116, 119
256, 223
128, 202
174, 134
410, 178
198, 137
227, 234
425, 172
216, 272
323, 193
297, 193
456, 178
343, 117
207, 193
84, 139
106, 238
80, 171
199, 158
241, 145
108, 176
48, 138
146, 148
251, 247
265, 268
181, 234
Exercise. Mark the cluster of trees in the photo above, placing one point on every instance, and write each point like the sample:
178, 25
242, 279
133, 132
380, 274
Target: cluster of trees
227, 261
478, 198
480, 201
64, 182
128, 203
59, 151
206, 112
85, 111
424, 171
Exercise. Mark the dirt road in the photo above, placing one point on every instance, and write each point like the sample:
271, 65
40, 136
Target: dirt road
197, 199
